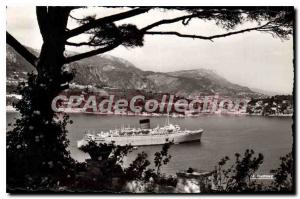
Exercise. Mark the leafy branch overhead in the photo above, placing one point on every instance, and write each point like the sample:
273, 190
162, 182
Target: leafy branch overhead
105, 34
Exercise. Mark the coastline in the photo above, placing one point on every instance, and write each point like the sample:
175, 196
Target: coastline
11, 109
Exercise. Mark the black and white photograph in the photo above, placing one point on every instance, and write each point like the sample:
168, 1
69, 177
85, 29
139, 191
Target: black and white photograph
150, 100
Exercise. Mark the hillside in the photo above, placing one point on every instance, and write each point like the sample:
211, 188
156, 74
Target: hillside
16, 63
109, 71
113, 72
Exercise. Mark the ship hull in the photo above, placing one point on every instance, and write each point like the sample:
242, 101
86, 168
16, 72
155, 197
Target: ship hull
147, 140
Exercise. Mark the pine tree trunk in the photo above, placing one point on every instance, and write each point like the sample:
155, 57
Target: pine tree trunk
51, 57
37, 146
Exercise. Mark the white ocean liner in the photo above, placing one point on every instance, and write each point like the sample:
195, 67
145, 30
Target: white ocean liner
143, 136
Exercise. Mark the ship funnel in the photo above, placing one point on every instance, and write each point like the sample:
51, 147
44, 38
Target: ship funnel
145, 124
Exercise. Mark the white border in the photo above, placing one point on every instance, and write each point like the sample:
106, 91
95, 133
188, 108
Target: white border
111, 3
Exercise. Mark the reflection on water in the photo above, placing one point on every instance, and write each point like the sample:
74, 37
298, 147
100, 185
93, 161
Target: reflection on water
223, 135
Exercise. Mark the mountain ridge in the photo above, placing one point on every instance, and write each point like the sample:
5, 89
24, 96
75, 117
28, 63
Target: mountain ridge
114, 72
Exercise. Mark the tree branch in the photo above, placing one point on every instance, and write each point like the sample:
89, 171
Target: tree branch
206, 37
41, 15
177, 34
104, 20
168, 21
15, 44
92, 52
89, 43
75, 18
80, 44
185, 18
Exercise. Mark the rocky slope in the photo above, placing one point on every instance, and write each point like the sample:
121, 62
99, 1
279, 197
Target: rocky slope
113, 72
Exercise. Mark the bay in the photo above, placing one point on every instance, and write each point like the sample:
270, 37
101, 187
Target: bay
223, 136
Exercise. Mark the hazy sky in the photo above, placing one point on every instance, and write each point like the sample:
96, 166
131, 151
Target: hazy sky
254, 59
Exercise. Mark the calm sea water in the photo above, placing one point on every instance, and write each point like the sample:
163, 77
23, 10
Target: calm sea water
223, 136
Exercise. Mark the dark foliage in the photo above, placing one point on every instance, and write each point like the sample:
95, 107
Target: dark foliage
190, 170
137, 170
284, 174
162, 157
37, 155
105, 170
237, 178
